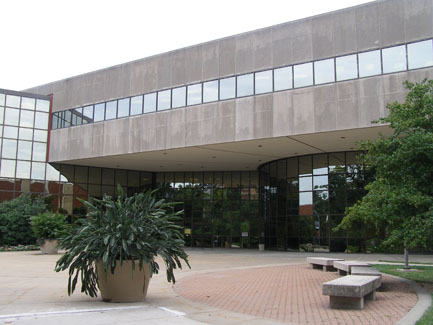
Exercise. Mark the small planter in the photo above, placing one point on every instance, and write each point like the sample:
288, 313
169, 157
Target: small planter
261, 247
49, 246
124, 285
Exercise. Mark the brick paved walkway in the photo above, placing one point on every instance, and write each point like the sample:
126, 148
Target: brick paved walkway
292, 294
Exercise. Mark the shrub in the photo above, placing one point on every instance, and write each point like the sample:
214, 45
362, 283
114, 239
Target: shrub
49, 225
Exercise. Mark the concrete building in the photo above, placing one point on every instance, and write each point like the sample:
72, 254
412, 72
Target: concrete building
255, 133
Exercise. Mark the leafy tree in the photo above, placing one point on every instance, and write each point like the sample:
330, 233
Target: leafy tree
399, 201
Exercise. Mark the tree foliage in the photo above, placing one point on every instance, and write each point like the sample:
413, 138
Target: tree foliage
399, 202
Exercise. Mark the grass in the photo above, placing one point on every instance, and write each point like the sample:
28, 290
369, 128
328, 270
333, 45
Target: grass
402, 262
19, 248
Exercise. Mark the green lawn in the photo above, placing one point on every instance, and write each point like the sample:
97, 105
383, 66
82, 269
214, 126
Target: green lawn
402, 262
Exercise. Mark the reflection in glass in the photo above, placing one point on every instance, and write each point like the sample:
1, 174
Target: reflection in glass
27, 103
99, 112
164, 100
88, 114
194, 94
23, 169
7, 168
394, 59
11, 116
12, 101
41, 120
283, 78
43, 105
320, 182
179, 97
77, 116
123, 108
9, 149
369, 63
245, 85
210, 91
110, 110
420, 54
136, 105
305, 184
320, 164
52, 173
2, 99
38, 170
324, 71
346, 67
39, 151
2, 113
305, 203
305, 166
227, 88
263, 82
10, 132
303, 75
149, 103
24, 150
26, 134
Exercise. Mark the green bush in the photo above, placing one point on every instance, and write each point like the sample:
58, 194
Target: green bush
49, 225
15, 216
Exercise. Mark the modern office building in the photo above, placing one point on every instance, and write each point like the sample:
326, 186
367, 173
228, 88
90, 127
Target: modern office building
254, 133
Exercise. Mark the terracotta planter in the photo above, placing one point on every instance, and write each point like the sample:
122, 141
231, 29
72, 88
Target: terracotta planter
124, 285
48, 246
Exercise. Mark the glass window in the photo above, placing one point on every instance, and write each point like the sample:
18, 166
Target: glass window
137, 105
54, 121
369, 63
11, 116
52, 173
43, 105
7, 168
41, 120
24, 150
305, 183
67, 116
244, 85
263, 82
39, 151
41, 135
26, 134
420, 54
23, 169
179, 97
324, 71
2, 99
99, 112
123, 109
9, 149
346, 67
27, 103
283, 78
2, 113
111, 110
13, 101
227, 88
303, 75
10, 132
38, 170
149, 103
88, 114
210, 91
394, 59
194, 94
77, 116
164, 100
320, 182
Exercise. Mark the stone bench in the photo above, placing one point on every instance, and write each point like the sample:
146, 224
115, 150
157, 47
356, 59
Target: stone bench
362, 270
349, 292
344, 267
324, 263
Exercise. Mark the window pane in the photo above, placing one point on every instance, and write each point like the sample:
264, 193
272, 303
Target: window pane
149, 103
227, 88
210, 91
23, 169
39, 151
41, 120
111, 110
38, 170
2, 99
12, 101
26, 134
9, 149
394, 59
54, 121
10, 132
88, 114
194, 94
324, 71
369, 63
77, 116
164, 100
123, 109
137, 105
11, 116
42, 105
179, 97
263, 82
346, 67
420, 54
99, 112
303, 74
7, 168
24, 150
52, 173
245, 85
283, 78
28, 103
41, 135
2, 113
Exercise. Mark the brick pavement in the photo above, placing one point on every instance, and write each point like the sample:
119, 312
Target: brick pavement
292, 294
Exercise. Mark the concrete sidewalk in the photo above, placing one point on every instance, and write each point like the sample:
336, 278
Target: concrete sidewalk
31, 292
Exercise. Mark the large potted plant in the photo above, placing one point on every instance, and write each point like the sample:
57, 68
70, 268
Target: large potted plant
115, 247
48, 227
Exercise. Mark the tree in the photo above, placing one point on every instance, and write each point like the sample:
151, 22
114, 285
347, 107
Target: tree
399, 202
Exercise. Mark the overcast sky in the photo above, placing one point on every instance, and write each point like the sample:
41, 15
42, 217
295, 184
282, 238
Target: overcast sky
48, 40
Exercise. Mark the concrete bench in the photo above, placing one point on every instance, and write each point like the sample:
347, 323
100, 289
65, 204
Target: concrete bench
324, 263
362, 270
349, 292
344, 267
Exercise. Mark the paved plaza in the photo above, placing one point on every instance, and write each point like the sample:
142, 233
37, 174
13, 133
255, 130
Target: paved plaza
223, 287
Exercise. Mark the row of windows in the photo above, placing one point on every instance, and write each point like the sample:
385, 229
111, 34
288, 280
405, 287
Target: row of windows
360, 65
24, 102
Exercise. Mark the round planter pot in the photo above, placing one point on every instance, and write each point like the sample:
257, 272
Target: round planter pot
124, 285
48, 246
261, 247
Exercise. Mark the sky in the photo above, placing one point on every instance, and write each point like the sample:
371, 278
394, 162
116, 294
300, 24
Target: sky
48, 40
